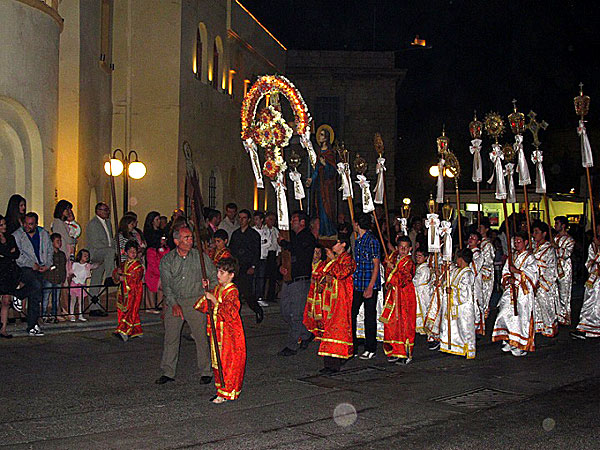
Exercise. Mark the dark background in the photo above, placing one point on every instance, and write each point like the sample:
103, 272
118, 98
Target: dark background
479, 56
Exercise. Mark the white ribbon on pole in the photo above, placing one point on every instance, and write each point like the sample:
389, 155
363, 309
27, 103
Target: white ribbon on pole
497, 156
587, 160
367, 200
477, 164
307, 144
346, 187
440, 182
380, 186
509, 170
404, 226
298, 188
522, 169
540, 180
446, 231
433, 235
282, 206
250, 147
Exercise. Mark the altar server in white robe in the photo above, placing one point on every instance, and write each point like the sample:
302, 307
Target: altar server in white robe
421, 280
473, 244
517, 331
433, 314
488, 254
589, 319
546, 293
564, 244
457, 327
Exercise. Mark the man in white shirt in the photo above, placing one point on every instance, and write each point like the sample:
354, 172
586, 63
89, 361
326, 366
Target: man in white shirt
101, 244
269, 251
230, 222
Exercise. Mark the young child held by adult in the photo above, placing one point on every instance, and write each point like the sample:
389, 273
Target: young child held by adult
400, 308
223, 304
457, 327
82, 271
54, 278
421, 280
336, 339
130, 274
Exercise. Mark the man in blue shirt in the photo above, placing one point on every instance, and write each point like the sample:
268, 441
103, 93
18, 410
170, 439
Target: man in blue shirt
36, 258
366, 283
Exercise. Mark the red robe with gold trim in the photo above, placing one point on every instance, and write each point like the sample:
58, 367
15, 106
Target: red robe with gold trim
231, 339
129, 298
399, 314
336, 340
313, 311
220, 254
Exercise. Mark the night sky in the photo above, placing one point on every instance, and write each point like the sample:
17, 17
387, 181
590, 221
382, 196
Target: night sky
483, 54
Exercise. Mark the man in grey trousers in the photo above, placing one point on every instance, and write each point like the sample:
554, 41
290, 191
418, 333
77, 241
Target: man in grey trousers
181, 278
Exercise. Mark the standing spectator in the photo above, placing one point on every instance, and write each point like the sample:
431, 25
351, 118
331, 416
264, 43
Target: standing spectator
164, 223
366, 283
157, 248
35, 259
301, 245
314, 225
15, 213
273, 251
55, 277
10, 273
64, 224
181, 278
259, 274
126, 234
138, 235
244, 245
230, 222
102, 247
344, 229
417, 237
213, 218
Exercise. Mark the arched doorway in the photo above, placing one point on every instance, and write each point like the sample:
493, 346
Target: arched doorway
21, 156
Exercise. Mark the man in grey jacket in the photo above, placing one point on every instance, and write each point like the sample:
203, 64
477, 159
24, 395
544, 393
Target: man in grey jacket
35, 259
101, 244
181, 278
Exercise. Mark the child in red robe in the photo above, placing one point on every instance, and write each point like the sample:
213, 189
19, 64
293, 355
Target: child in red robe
131, 276
313, 311
221, 251
400, 309
336, 341
223, 304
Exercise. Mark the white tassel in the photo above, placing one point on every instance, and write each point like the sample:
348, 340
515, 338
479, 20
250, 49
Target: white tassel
433, 234
367, 200
346, 187
540, 179
440, 182
298, 188
283, 221
446, 232
512, 194
587, 160
522, 169
380, 186
497, 156
403, 226
250, 147
477, 164
307, 144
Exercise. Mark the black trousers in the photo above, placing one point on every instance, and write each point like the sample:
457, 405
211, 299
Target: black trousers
34, 282
271, 275
333, 363
245, 284
370, 319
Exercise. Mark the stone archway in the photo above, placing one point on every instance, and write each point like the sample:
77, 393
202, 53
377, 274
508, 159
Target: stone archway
21, 156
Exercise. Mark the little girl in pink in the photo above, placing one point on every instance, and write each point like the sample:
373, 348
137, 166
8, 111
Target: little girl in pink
81, 271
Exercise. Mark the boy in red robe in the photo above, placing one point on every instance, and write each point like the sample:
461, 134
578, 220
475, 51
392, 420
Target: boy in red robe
221, 251
131, 276
336, 341
313, 311
224, 306
400, 309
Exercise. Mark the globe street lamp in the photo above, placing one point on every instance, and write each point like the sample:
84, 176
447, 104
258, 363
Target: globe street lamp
129, 166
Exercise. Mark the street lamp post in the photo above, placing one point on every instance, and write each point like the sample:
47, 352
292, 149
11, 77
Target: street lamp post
129, 166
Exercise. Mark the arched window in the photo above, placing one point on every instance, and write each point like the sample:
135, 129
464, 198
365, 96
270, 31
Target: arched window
198, 68
215, 72
212, 190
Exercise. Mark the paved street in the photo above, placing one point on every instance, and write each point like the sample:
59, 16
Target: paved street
88, 390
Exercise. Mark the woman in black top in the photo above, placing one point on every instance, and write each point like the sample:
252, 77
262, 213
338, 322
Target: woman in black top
15, 213
9, 273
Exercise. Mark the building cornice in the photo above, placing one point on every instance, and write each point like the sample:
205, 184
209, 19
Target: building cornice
42, 6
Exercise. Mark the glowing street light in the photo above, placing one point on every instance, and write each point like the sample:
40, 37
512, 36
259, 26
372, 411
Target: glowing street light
129, 167
434, 171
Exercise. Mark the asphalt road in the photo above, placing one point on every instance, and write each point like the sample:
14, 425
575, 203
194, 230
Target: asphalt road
89, 390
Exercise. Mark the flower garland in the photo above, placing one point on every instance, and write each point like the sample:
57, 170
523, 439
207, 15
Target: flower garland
268, 129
